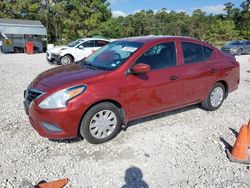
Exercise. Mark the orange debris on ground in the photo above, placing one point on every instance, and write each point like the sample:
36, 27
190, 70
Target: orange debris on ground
54, 184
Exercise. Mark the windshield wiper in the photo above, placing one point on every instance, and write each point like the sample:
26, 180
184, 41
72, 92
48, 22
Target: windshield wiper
84, 63
92, 66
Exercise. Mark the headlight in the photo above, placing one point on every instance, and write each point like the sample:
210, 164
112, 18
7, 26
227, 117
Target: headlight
61, 98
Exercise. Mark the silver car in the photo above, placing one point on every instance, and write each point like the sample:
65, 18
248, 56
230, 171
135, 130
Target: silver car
237, 47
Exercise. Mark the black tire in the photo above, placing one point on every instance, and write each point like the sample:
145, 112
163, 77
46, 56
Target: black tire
85, 123
239, 52
207, 105
66, 60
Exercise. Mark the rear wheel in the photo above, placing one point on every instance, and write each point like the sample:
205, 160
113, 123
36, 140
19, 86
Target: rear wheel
101, 123
66, 60
215, 98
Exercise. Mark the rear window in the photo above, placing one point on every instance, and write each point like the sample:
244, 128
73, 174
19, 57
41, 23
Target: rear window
195, 53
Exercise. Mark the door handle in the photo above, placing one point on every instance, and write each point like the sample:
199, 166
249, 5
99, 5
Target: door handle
213, 70
174, 77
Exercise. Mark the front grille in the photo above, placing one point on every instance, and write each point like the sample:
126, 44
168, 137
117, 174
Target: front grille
53, 55
31, 94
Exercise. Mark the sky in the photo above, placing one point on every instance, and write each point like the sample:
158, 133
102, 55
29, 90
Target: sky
125, 7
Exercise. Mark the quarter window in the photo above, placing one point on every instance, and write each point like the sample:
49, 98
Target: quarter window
195, 53
159, 56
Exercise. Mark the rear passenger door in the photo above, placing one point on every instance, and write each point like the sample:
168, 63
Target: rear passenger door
199, 71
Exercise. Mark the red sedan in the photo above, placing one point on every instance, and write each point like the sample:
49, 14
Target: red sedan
125, 80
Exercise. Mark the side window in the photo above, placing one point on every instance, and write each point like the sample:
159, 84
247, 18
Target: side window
159, 56
248, 43
100, 43
207, 52
195, 53
89, 44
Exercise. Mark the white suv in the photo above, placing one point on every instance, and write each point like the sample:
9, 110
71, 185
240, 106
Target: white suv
75, 50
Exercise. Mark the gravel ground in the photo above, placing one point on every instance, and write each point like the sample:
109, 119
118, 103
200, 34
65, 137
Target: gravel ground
181, 148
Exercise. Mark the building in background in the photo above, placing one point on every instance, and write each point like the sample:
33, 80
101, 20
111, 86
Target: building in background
15, 33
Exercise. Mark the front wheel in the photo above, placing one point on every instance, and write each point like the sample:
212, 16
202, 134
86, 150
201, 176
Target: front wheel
66, 60
101, 123
215, 98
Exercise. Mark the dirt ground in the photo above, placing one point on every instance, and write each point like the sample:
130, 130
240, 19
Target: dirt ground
181, 148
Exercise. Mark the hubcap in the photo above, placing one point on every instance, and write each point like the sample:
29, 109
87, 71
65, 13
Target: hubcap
102, 124
65, 60
216, 97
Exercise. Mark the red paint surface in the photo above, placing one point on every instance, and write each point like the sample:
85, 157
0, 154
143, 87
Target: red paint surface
138, 95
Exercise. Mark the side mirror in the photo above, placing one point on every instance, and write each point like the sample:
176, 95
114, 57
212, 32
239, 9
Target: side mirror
140, 68
81, 47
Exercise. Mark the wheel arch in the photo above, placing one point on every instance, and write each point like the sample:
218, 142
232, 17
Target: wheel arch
225, 84
116, 103
73, 58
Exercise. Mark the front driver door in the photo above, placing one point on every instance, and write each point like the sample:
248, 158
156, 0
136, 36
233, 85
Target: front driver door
84, 50
159, 89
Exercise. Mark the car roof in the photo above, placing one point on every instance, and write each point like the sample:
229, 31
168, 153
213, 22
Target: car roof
158, 38
89, 38
146, 39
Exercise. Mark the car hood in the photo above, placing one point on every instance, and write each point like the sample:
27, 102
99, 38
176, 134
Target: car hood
65, 76
57, 49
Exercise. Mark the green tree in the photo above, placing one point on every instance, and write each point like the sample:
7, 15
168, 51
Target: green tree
198, 25
229, 9
221, 30
68, 20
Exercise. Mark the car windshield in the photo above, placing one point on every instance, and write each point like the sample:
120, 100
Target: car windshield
235, 43
74, 43
112, 56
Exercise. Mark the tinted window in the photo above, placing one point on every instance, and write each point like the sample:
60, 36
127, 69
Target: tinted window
89, 44
159, 56
195, 52
207, 52
248, 43
100, 43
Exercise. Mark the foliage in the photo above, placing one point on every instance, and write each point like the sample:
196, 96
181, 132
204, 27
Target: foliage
67, 20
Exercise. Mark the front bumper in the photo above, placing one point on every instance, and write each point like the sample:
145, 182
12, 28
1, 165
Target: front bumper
53, 58
57, 124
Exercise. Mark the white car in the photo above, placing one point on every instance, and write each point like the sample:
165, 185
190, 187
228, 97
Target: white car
75, 50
